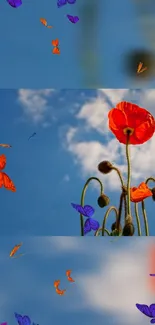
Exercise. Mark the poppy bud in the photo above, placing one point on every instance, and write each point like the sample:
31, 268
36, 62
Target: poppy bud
105, 167
115, 233
103, 201
128, 229
153, 193
113, 227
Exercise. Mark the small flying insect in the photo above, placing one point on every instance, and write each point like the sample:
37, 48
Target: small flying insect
32, 135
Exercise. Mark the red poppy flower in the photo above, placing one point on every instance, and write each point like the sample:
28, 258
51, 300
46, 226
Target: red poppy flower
128, 117
140, 193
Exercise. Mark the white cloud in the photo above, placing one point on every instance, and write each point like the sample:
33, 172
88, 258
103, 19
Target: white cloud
35, 102
118, 282
88, 154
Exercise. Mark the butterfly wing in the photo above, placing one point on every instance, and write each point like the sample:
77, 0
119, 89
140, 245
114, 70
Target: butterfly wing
70, 18
144, 69
61, 3
56, 50
7, 182
144, 309
43, 21
139, 67
89, 210
14, 3
86, 211
26, 320
68, 272
94, 224
55, 42
56, 283
152, 310
76, 19
2, 162
152, 321
19, 319
87, 227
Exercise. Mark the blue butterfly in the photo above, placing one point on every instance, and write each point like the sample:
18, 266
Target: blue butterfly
87, 211
23, 320
61, 3
148, 311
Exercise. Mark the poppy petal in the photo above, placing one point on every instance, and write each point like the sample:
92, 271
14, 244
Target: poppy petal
138, 120
140, 193
117, 119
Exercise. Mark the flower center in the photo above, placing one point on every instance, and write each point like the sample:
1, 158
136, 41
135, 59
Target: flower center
128, 131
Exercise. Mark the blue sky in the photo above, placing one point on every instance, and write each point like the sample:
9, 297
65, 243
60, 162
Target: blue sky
50, 170
26, 55
110, 278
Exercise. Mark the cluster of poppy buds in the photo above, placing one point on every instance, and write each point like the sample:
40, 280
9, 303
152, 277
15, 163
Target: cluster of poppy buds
131, 125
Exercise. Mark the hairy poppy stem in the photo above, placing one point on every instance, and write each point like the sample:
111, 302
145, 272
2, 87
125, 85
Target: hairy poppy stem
119, 211
106, 216
145, 219
138, 220
97, 232
150, 179
129, 174
119, 174
83, 197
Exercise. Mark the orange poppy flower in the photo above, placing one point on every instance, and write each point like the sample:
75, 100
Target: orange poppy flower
140, 193
128, 117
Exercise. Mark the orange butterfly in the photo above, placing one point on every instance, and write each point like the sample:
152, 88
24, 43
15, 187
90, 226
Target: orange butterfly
44, 22
68, 273
56, 283
15, 249
5, 145
60, 292
4, 178
56, 49
140, 69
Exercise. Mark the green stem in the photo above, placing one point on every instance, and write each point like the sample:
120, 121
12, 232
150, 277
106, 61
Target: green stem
119, 211
138, 220
129, 174
145, 219
119, 174
106, 216
100, 229
152, 179
83, 197
125, 207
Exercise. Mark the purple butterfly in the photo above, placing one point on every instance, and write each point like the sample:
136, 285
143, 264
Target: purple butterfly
87, 211
61, 3
14, 3
148, 311
91, 224
73, 19
23, 320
